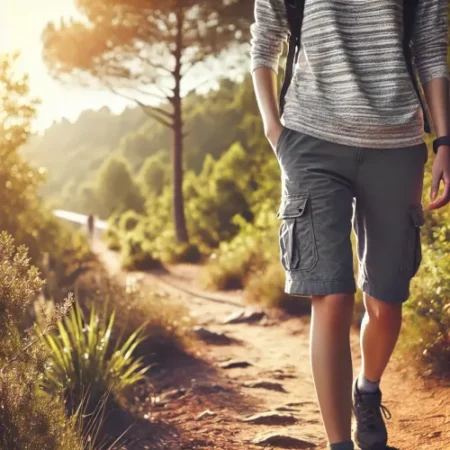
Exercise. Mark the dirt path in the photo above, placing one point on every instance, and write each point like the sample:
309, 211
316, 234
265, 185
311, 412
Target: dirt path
267, 394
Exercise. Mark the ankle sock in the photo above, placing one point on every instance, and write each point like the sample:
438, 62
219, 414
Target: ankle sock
347, 445
367, 386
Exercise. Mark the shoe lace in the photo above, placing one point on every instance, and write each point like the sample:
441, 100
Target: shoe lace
371, 415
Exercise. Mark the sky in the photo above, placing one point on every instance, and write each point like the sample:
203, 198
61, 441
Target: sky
21, 25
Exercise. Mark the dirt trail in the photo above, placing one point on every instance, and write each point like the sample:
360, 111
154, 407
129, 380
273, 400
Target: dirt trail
273, 352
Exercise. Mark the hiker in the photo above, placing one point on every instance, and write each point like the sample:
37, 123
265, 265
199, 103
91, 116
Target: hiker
351, 150
91, 227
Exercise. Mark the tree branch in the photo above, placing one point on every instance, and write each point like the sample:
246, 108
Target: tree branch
151, 94
151, 111
148, 110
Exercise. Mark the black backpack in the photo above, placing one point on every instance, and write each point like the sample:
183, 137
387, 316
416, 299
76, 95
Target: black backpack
295, 8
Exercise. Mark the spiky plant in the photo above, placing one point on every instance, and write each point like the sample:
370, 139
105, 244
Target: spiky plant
85, 364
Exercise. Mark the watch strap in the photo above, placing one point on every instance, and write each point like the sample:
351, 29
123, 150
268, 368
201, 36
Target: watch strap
443, 140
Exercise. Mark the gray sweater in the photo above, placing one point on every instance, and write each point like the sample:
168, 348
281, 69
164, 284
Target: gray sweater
351, 84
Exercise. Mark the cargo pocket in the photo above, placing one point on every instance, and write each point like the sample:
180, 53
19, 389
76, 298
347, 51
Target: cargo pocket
298, 251
412, 252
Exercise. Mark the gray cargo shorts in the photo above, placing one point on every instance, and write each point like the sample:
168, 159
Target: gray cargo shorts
326, 189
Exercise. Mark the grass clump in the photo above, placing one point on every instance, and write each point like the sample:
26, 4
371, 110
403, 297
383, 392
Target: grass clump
84, 363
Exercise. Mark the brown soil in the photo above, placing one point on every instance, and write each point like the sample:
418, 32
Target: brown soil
277, 350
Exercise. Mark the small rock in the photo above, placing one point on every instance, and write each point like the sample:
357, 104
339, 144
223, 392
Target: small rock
247, 315
211, 336
279, 374
271, 418
435, 434
263, 384
206, 413
283, 441
234, 364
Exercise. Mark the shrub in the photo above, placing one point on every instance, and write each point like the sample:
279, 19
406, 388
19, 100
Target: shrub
29, 419
171, 251
129, 220
168, 325
428, 310
136, 253
267, 288
112, 234
84, 363
231, 265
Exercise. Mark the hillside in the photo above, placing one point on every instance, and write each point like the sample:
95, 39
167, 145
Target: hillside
72, 152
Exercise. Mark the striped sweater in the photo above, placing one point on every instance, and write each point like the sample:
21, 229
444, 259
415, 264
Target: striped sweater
351, 84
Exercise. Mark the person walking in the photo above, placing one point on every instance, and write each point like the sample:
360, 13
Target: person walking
352, 153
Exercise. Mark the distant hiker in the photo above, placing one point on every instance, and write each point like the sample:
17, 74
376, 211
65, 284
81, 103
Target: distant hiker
351, 150
91, 227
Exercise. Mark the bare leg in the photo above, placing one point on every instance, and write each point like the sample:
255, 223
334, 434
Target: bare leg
331, 362
379, 333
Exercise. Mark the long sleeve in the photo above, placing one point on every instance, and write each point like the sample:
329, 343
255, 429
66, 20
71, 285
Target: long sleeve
431, 40
268, 32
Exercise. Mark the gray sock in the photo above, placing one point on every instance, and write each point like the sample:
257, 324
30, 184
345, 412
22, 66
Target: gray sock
347, 445
367, 386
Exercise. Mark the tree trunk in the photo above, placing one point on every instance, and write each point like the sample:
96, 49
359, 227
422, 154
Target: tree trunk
177, 159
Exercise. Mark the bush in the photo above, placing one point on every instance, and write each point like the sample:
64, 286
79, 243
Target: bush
29, 419
168, 250
168, 326
267, 288
112, 234
84, 363
231, 265
428, 310
129, 221
136, 253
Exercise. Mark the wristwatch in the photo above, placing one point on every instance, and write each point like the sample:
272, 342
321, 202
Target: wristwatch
443, 140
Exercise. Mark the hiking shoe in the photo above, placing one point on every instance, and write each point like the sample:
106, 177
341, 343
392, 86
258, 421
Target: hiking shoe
370, 432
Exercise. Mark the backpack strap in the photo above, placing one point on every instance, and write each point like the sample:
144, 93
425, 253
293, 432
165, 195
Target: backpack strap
294, 13
409, 18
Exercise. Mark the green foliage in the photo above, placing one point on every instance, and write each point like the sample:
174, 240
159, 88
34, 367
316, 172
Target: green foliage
428, 310
19, 282
136, 252
29, 419
116, 188
129, 221
112, 233
85, 364
248, 253
153, 175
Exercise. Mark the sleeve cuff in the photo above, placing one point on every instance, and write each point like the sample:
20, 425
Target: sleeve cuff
256, 63
438, 72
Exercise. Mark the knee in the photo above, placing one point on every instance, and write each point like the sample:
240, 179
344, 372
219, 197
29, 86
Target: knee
383, 312
335, 309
